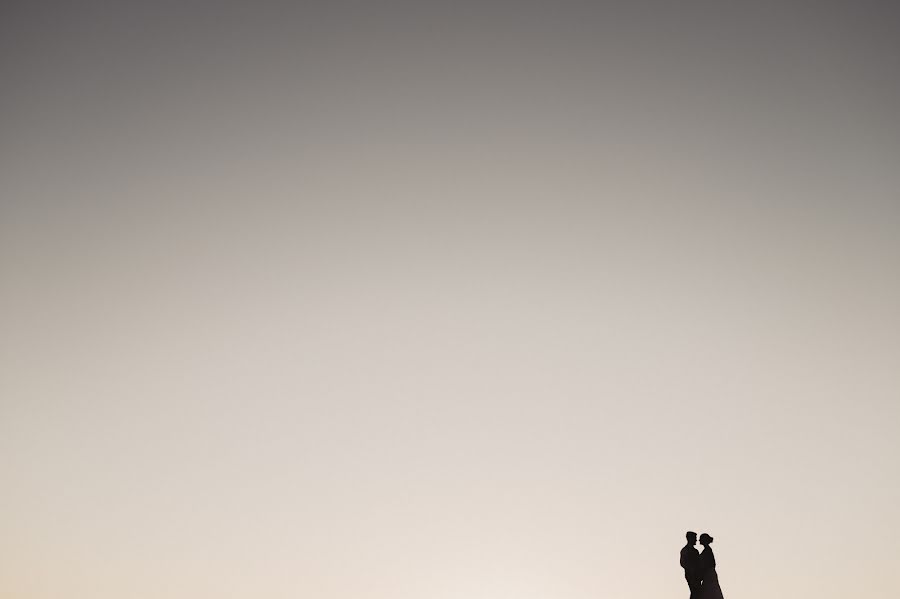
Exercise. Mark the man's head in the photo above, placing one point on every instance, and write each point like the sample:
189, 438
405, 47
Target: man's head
691, 537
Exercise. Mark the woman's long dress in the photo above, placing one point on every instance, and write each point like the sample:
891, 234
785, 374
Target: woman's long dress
710, 588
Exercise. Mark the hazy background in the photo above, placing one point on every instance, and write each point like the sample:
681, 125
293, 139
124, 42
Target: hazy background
424, 301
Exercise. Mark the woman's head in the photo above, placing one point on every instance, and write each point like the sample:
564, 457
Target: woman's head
705, 539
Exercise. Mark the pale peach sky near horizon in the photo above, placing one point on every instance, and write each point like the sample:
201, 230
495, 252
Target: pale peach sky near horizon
415, 301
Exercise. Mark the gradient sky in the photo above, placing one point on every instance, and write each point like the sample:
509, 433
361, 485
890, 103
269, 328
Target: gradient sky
448, 301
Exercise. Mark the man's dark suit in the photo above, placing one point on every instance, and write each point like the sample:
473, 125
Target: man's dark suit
690, 561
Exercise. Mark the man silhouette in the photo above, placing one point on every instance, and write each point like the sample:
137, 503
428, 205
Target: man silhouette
690, 561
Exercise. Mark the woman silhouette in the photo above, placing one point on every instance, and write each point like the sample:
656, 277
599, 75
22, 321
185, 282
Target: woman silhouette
710, 588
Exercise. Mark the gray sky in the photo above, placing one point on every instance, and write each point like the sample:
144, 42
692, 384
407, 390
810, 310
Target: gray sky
448, 302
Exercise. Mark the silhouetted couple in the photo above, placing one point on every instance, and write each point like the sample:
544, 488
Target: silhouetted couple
700, 568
